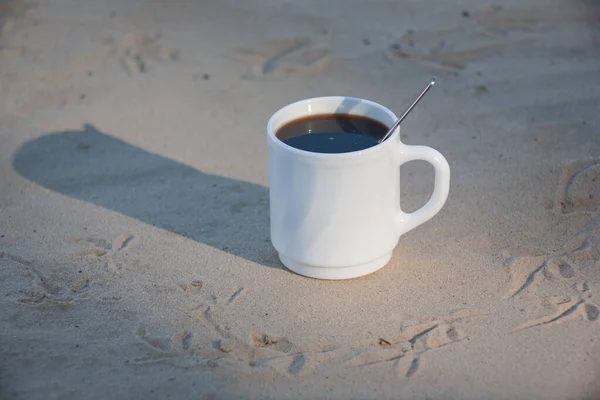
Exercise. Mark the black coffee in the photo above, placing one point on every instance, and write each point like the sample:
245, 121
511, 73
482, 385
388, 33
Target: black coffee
332, 133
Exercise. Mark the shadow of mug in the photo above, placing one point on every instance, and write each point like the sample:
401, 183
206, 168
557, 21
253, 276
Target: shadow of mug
227, 214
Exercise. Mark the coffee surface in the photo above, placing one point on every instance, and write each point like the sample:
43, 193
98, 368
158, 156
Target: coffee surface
332, 133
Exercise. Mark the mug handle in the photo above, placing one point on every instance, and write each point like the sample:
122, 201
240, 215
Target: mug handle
407, 221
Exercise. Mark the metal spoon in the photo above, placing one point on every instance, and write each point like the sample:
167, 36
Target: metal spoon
408, 110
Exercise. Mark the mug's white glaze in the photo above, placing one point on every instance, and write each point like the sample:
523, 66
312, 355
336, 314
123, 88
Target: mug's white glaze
338, 216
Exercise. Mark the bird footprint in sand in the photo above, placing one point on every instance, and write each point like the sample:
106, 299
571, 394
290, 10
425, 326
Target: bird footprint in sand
180, 345
578, 190
404, 351
211, 310
106, 251
445, 51
282, 57
136, 52
579, 187
566, 309
31, 287
260, 351
523, 270
488, 31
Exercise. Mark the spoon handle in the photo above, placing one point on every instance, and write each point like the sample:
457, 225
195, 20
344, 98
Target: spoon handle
389, 132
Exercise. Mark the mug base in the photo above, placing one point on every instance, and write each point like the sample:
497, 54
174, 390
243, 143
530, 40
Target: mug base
335, 273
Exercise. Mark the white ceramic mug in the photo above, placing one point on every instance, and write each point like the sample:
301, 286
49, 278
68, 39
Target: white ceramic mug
338, 216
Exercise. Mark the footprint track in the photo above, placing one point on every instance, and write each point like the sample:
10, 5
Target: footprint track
402, 352
405, 350
109, 252
103, 247
180, 348
137, 53
283, 57
300, 364
453, 60
500, 21
579, 187
212, 308
492, 31
566, 309
15, 259
31, 287
443, 51
562, 263
261, 351
522, 272
560, 266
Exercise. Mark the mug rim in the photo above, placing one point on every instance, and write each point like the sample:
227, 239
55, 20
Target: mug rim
351, 154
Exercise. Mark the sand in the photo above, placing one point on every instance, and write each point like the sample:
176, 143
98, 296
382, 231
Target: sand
135, 259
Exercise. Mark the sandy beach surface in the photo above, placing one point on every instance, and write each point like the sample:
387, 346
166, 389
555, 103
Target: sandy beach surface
135, 260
